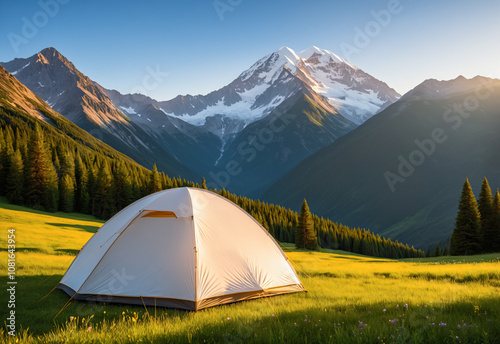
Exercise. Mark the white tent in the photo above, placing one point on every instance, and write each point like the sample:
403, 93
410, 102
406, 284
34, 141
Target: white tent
182, 248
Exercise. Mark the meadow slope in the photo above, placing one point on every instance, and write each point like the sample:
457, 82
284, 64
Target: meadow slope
350, 298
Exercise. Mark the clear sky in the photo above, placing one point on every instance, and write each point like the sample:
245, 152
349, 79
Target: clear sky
198, 46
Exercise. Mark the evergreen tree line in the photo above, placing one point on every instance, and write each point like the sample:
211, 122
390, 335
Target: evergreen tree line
437, 252
477, 227
43, 170
40, 171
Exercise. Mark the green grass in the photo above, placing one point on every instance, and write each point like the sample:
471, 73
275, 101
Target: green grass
351, 298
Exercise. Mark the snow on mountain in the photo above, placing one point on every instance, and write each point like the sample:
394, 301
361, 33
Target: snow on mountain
17, 71
273, 79
242, 110
129, 110
270, 81
356, 94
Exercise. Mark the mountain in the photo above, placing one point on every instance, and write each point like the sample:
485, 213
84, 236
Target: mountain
257, 91
267, 148
401, 172
21, 105
69, 92
208, 135
195, 147
286, 83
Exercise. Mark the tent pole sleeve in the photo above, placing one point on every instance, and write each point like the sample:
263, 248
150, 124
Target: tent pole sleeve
195, 278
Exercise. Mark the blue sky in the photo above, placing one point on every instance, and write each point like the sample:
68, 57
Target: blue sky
197, 48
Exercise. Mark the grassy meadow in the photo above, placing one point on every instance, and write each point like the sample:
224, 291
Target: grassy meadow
350, 298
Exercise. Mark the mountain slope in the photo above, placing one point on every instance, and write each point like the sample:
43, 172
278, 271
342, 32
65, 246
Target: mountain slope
400, 173
194, 146
20, 102
57, 81
270, 147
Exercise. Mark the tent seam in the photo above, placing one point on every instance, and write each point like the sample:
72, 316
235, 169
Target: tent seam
195, 253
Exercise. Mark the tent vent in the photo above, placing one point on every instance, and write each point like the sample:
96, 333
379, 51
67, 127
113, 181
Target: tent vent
160, 214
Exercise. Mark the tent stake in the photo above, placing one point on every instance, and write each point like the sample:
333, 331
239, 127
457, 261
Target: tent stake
145, 305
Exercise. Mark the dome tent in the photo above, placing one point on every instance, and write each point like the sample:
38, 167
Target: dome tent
182, 248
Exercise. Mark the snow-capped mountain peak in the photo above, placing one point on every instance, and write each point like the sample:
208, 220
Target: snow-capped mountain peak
324, 56
288, 56
269, 82
356, 94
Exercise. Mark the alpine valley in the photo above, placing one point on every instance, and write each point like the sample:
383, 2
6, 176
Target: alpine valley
242, 137
294, 125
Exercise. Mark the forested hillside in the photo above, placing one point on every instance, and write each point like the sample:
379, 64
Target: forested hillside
44, 168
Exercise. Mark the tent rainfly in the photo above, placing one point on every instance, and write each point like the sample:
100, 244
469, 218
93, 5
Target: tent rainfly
182, 248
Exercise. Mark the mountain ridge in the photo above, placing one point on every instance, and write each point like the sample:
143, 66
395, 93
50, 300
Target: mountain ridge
259, 89
350, 180
69, 92
194, 135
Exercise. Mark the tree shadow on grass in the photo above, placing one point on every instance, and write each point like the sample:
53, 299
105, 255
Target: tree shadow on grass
68, 251
61, 251
27, 249
90, 229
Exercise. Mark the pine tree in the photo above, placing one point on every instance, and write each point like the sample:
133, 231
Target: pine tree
40, 172
305, 229
51, 193
154, 181
486, 213
428, 253
203, 183
299, 232
123, 187
103, 200
66, 193
356, 245
67, 164
466, 235
445, 250
15, 179
437, 251
81, 192
56, 162
67, 182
